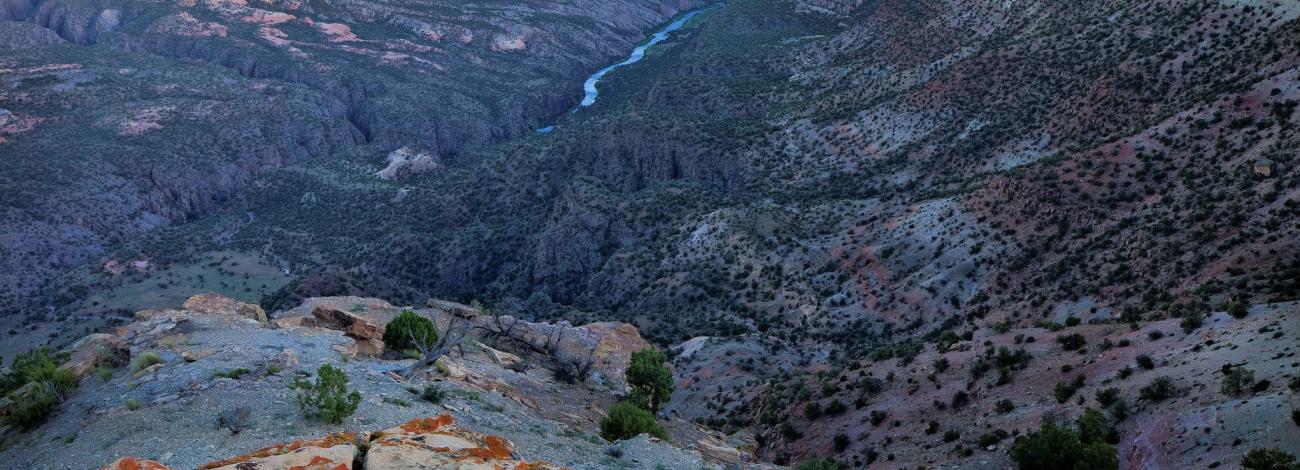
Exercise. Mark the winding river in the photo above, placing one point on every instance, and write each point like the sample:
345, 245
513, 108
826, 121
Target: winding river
589, 87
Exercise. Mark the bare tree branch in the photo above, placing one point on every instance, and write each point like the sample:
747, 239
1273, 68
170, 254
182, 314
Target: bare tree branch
430, 351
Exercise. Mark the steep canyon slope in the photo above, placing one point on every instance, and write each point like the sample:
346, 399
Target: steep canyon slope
118, 117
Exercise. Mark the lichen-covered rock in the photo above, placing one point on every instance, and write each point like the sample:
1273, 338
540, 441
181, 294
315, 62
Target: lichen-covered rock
361, 324
93, 351
333, 452
437, 443
213, 303
133, 463
421, 443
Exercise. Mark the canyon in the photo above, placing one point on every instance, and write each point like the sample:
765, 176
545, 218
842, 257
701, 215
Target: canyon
887, 233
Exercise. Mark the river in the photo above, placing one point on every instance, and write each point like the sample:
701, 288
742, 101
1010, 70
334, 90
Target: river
589, 87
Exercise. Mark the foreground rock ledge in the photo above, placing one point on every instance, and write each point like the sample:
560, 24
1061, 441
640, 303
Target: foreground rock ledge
419, 443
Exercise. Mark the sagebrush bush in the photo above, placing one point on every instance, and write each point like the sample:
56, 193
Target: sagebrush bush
328, 399
408, 330
36, 385
32, 366
145, 360
1159, 389
627, 420
433, 394
1268, 459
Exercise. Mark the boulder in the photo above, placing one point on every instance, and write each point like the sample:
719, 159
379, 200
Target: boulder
212, 303
146, 371
302, 314
502, 358
406, 162
614, 344
333, 452
438, 443
453, 308
370, 347
96, 350
133, 463
359, 324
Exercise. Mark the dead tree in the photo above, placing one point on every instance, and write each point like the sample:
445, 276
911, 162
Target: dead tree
430, 351
575, 368
501, 326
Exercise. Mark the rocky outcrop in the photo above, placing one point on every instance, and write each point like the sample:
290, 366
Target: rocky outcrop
406, 162
93, 351
419, 443
437, 443
333, 452
212, 303
366, 327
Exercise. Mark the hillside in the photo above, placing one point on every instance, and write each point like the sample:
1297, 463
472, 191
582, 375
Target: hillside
213, 359
890, 233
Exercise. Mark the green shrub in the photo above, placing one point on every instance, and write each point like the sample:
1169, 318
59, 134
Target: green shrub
132, 404
841, 442
230, 374
145, 360
36, 385
408, 330
1191, 321
433, 394
32, 404
627, 420
1238, 310
1057, 448
328, 399
1269, 459
1159, 389
1004, 406
1071, 341
1094, 427
651, 381
1236, 380
1144, 361
820, 464
994, 437
1106, 396
33, 366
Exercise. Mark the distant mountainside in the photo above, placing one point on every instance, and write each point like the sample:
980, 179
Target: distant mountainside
136, 114
815, 203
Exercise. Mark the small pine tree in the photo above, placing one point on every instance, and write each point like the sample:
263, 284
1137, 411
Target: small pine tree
651, 381
627, 420
328, 399
407, 330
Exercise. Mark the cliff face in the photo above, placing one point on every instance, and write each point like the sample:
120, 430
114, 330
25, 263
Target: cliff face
157, 113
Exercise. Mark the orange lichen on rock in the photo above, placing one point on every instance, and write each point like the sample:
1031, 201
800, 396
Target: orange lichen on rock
433, 442
320, 463
427, 424
134, 463
437, 443
343, 438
